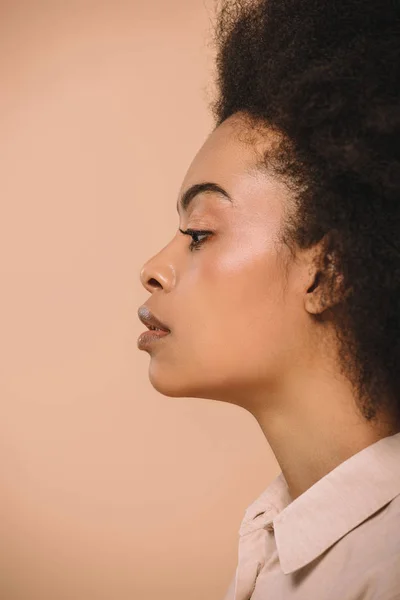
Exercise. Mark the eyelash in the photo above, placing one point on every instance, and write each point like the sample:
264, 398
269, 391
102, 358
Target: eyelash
195, 245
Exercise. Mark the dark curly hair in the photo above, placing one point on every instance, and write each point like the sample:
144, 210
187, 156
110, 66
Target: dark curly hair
325, 75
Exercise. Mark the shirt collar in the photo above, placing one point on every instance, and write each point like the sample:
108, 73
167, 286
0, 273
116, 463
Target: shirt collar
345, 497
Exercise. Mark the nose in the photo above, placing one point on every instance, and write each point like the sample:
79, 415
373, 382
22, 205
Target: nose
158, 274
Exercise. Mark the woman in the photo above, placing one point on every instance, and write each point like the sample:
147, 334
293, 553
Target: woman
286, 300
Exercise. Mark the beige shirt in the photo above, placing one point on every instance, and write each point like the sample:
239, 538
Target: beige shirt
339, 540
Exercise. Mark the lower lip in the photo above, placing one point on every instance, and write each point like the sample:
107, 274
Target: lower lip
146, 339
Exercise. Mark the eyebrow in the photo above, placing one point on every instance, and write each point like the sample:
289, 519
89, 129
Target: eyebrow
200, 188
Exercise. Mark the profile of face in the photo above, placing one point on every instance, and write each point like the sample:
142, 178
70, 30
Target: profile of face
240, 321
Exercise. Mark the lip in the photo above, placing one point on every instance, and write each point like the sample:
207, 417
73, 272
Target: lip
150, 320
148, 338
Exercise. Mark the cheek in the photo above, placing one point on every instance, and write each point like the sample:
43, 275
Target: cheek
248, 282
241, 304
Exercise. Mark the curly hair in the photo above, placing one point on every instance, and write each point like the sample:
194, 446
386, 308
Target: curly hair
325, 75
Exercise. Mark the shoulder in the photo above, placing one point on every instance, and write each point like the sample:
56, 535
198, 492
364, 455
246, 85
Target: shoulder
382, 582
375, 556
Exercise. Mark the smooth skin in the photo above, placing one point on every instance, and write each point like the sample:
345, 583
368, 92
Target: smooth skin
240, 309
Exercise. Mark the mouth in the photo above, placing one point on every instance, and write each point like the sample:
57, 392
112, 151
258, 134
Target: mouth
157, 330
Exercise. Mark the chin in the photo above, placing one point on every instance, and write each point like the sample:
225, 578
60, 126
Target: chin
173, 385
176, 387
167, 385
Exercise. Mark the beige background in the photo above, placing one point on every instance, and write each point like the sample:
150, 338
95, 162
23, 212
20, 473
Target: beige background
108, 490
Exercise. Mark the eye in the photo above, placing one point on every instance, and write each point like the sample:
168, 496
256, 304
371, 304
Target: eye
195, 233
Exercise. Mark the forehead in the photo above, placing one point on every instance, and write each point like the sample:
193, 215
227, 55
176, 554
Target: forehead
224, 155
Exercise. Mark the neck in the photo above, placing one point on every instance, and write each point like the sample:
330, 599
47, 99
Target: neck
314, 425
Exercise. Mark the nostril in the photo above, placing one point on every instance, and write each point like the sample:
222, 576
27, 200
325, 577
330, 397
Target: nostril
154, 283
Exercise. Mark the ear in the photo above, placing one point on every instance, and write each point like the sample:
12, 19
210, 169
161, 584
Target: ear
325, 285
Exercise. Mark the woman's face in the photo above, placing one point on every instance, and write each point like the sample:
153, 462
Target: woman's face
237, 319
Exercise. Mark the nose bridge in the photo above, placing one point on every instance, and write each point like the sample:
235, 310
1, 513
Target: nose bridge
159, 270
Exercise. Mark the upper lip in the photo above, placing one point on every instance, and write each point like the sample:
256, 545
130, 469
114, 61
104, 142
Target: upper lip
150, 320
